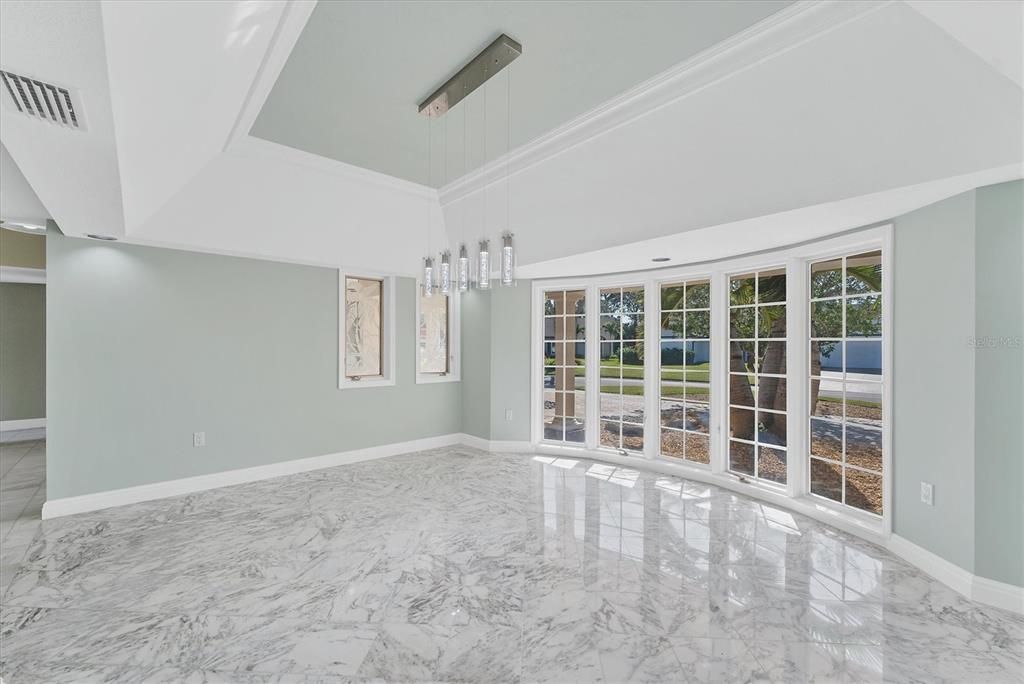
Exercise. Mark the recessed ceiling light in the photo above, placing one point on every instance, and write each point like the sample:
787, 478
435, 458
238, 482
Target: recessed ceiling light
96, 236
659, 260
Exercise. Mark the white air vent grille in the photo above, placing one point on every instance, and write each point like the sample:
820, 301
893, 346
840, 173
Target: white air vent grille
41, 100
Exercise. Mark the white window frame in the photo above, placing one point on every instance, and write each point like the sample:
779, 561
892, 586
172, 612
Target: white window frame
795, 493
387, 371
454, 373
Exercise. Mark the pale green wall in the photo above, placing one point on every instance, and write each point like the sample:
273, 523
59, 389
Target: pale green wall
476, 363
496, 363
22, 351
933, 377
148, 345
510, 362
999, 383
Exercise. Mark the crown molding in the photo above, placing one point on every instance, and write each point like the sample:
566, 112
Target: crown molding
783, 31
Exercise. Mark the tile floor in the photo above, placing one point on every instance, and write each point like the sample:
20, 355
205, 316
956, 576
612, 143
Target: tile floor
458, 565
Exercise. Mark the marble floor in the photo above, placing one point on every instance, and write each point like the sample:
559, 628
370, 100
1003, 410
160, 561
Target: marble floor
458, 565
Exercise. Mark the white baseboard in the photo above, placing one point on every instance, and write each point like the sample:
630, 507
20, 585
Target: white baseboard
941, 569
187, 485
25, 424
1008, 596
981, 589
496, 446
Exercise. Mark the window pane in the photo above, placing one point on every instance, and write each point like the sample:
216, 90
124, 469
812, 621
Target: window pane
697, 355
672, 356
697, 416
698, 448
633, 299
741, 289
826, 357
771, 393
741, 457
864, 357
864, 491
434, 334
576, 302
633, 401
633, 437
673, 443
698, 325
698, 295
773, 357
741, 323
771, 321
742, 423
672, 325
827, 279
673, 412
827, 318
742, 357
864, 273
611, 327
827, 438
771, 286
363, 332
553, 303
771, 464
672, 298
610, 355
610, 434
611, 399
864, 316
827, 479
827, 398
611, 300
771, 428
742, 390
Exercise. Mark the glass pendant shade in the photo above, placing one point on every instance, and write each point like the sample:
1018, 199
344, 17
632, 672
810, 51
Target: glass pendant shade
507, 261
445, 273
428, 277
484, 266
462, 270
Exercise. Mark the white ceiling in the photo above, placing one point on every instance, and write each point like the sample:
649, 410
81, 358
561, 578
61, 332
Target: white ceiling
351, 86
18, 201
821, 115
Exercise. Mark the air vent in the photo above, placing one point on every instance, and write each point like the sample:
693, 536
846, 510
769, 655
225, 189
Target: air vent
41, 100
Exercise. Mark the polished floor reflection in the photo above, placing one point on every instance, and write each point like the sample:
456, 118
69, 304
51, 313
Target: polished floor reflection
457, 565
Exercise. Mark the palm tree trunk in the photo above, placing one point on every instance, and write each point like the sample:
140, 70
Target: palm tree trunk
741, 423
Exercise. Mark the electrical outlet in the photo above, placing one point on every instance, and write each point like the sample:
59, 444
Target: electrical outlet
508, 414
927, 493
198, 439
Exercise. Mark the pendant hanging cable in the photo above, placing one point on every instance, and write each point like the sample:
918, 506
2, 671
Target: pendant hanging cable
507, 252
484, 256
428, 261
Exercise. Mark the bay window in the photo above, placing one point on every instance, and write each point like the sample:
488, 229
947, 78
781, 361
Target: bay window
761, 372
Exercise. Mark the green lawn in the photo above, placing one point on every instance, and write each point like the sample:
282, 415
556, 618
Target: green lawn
610, 369
698, 393
852, 402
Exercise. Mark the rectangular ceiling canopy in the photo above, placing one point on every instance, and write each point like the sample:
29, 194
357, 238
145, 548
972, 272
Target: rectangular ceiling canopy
490, 61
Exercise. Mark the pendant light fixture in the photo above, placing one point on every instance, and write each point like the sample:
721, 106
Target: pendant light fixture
492, 59
444, 281
484, 266
428, 277
507, 261
462, 270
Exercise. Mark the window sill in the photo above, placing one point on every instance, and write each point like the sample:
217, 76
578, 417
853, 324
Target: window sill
433, 379
367, 383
